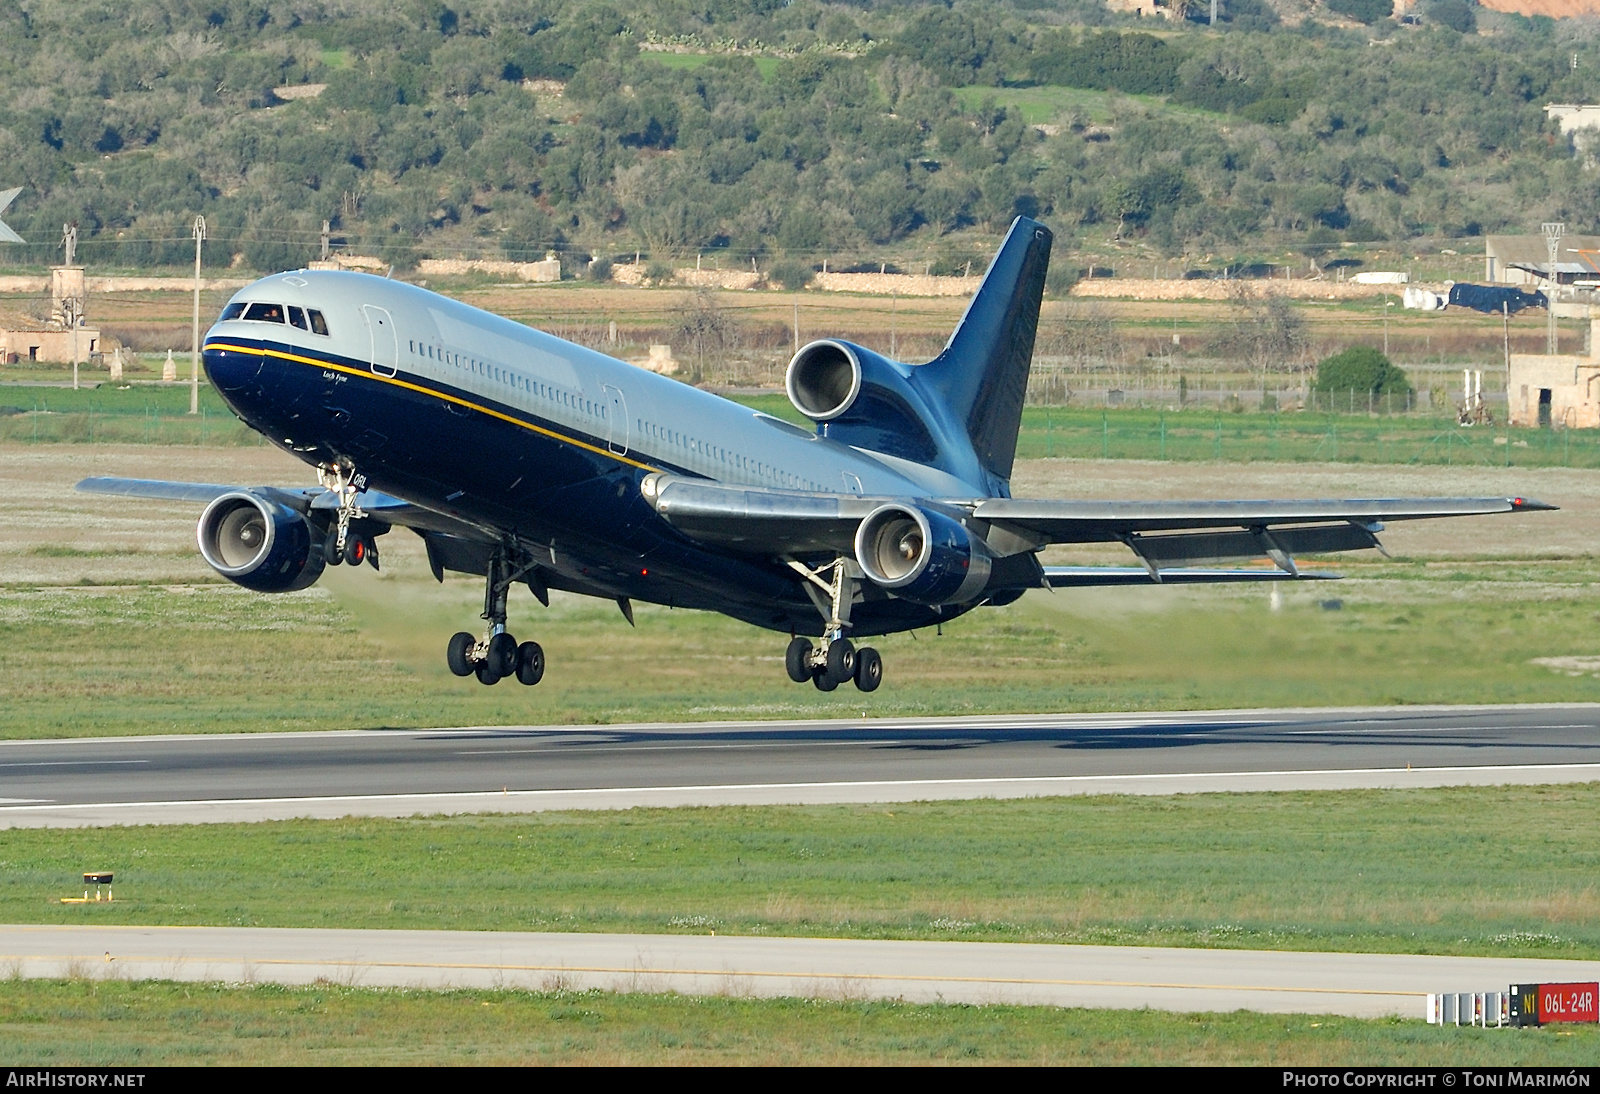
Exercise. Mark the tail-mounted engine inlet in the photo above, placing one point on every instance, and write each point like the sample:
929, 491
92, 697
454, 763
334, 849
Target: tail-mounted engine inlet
823, 380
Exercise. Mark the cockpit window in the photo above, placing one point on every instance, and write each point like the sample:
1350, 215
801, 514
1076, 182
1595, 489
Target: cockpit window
232, 311
319, 325
264, 313
297, 317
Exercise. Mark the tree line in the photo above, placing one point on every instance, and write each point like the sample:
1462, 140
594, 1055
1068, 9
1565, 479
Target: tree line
755, 129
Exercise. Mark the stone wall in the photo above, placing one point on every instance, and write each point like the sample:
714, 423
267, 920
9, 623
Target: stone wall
40, 285
1134, 288
543, 272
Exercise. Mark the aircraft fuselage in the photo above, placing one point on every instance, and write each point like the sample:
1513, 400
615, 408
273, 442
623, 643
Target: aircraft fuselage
500, 425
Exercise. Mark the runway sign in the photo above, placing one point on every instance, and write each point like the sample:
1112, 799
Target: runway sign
1569, 1003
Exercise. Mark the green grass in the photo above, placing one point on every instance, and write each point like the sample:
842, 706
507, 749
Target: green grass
691, 61
1495, 871
108, 414
1045, 104
153, 1023
81, 661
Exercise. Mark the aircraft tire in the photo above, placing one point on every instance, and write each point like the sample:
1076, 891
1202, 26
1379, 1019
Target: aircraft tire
824, 682
330, 549
841, 661
455, 654
530, 663
797, 659
355, 550
502, 656
485, 676
869, 669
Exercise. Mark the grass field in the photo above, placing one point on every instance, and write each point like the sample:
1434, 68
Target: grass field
151, 1023
156, 642
1501, 871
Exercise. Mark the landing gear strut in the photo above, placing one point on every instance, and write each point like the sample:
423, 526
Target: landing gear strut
496, 655
345, 544
836, 661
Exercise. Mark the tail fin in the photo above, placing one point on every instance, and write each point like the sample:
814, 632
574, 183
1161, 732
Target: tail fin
982, 375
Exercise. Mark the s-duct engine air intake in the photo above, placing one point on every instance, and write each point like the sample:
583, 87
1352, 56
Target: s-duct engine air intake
823, 380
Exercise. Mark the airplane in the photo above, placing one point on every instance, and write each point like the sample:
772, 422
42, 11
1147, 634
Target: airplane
525, 459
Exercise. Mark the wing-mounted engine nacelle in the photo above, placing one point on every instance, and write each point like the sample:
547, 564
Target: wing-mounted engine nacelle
922, 555
260, 544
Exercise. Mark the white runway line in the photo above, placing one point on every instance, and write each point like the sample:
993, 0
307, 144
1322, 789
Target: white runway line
801, 793
1165, 978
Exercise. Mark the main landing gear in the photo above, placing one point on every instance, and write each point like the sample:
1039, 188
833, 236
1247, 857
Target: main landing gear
497, 654
836, 661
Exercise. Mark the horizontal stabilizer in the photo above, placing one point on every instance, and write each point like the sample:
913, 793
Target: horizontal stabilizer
1073, 577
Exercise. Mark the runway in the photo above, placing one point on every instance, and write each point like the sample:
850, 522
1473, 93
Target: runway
383, 772
1361, 985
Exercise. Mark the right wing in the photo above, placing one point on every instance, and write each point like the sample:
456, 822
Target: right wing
305, 499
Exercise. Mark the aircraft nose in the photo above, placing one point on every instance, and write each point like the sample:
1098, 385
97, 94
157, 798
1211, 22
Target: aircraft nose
229, 369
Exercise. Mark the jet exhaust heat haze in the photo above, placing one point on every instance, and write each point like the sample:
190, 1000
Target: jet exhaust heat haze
526, 459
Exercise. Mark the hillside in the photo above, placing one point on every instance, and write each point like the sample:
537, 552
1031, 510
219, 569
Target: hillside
785, 135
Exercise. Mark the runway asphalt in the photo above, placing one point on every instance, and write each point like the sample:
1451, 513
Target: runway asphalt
1361, 985
382, 772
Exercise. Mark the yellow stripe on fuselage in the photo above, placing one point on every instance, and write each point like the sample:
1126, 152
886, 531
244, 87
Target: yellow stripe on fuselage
493, 413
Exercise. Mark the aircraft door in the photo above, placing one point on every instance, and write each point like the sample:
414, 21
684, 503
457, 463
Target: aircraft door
385, 342
616, 419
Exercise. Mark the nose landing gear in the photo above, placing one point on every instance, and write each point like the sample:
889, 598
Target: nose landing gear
836, 661
497, 654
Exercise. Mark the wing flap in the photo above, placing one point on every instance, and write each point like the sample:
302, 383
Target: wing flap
1103, 521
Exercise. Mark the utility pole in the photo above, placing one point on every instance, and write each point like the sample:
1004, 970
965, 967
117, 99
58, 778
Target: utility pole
327, 239
72, 306
1553, 231
194, 345
1213, 13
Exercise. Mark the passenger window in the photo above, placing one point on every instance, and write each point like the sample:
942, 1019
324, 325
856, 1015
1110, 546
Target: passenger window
319, 325
232, 311
264, 313
297, 317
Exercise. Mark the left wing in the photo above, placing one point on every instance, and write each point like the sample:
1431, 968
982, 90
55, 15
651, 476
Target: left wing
1162, 534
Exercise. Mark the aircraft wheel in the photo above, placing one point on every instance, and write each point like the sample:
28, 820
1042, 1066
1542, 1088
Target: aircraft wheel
355, 550
330, 549
530, 663
456, 653
798, 659
869, 669
824, 682
841, 661
485, 676
502, 656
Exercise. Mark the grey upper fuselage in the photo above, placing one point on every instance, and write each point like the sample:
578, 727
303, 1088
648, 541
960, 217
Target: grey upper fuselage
663, 423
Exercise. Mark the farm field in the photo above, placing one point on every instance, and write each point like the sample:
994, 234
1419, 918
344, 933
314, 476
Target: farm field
1372, 871
155, 1023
